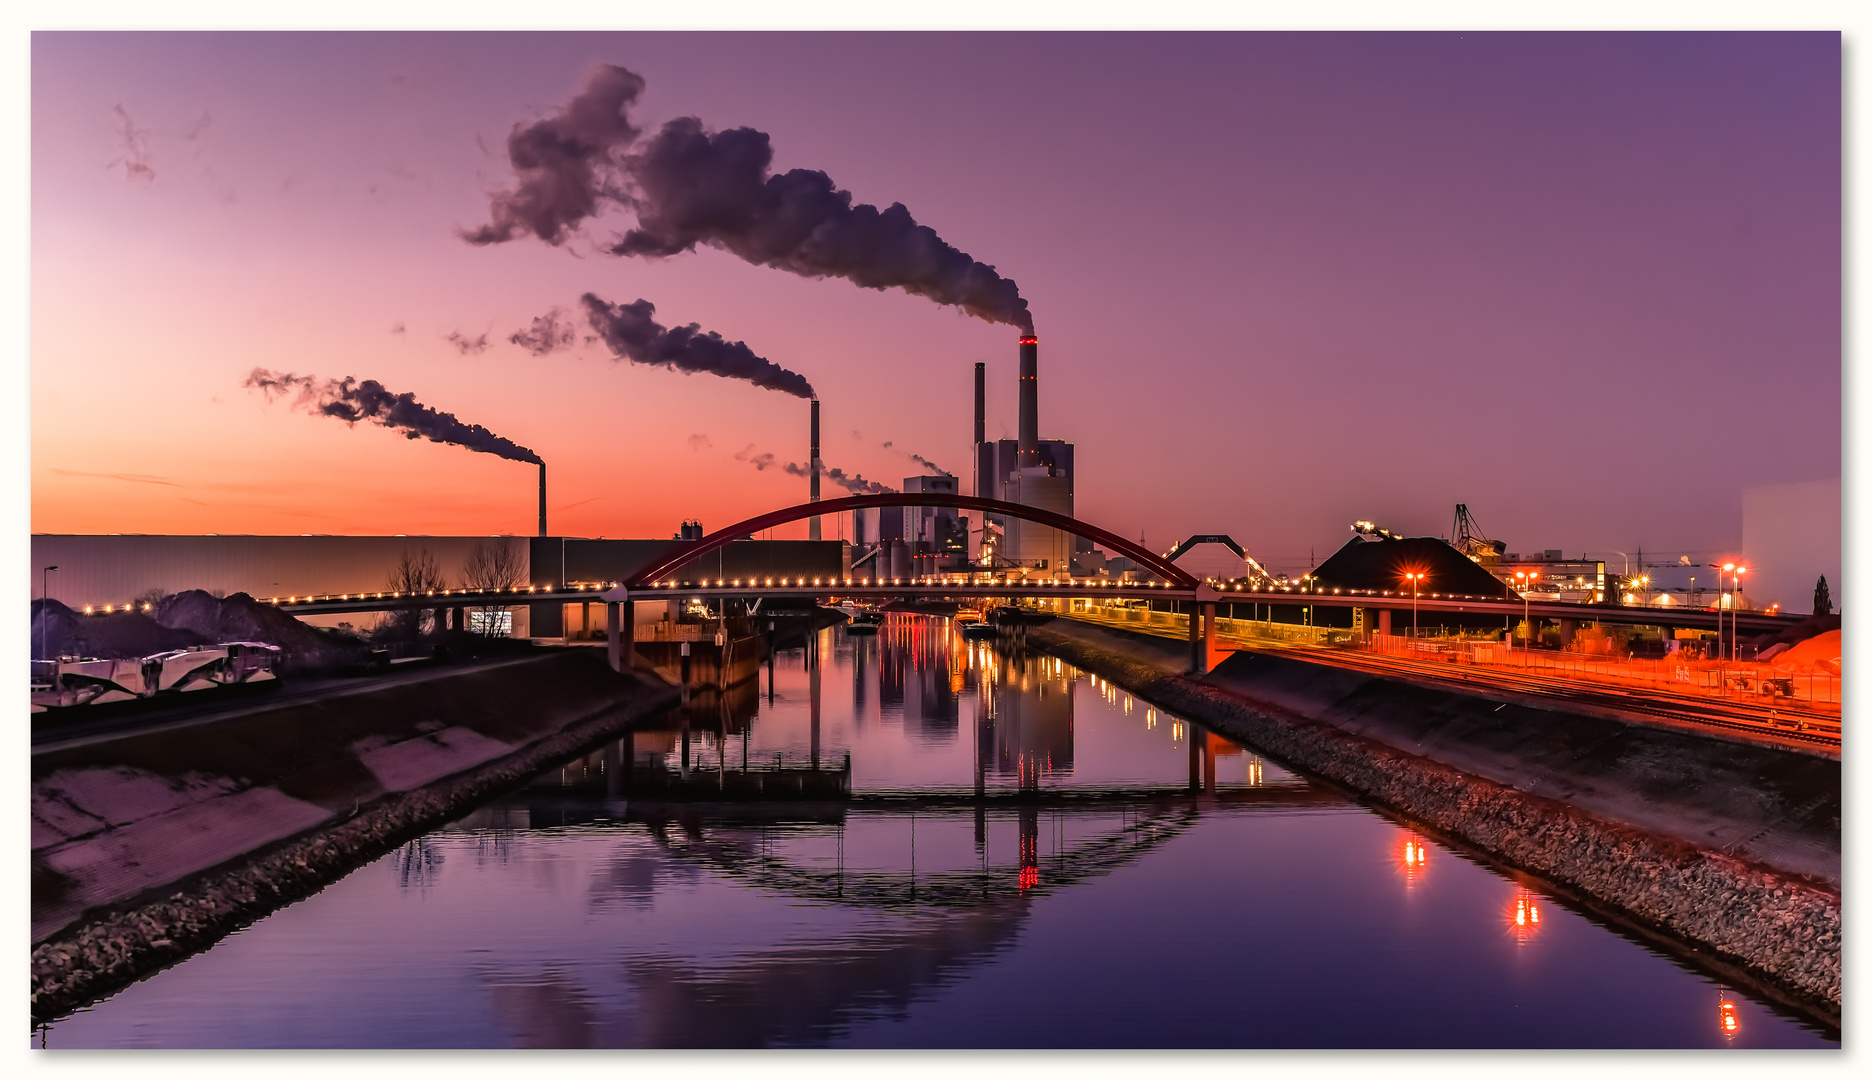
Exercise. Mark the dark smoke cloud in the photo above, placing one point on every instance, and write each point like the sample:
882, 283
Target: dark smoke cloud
690, 186
699, 441
851, 482
564, 162
467, 345
693, 186
549, 332
935, 469
631, 333
350, 400
761, 462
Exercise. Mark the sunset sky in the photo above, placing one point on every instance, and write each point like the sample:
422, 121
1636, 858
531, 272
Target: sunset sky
1588, 284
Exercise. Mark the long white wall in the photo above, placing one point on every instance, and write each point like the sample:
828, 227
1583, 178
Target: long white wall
101, 570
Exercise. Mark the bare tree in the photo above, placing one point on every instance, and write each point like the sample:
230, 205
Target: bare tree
493, 566
414, 576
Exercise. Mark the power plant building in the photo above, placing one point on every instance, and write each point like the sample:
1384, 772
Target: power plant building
1027, 470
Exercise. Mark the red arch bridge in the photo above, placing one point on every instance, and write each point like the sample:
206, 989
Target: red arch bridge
673, 578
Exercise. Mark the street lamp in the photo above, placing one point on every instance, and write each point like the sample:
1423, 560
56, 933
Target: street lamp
1416, 581
45, 608
1524, 581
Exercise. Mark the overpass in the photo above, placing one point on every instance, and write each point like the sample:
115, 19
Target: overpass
674, 577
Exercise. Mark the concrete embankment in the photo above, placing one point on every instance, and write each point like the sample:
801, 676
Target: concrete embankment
1731, 849
147, 848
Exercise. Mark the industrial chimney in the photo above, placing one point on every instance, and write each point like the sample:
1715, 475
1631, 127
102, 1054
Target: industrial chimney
1029, 448
981, 403
542, 498
813, 465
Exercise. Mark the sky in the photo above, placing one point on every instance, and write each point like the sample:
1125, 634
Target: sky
1588, 284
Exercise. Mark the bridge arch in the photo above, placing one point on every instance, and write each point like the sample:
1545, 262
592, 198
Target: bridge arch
720, 538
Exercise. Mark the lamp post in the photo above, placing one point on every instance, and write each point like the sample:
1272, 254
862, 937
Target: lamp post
45, 608
1525, 583
1416, 581
1736, 605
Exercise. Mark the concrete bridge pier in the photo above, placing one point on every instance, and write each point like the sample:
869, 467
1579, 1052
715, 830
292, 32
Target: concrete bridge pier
1202, 636
621, 634
1568, 627
1384, 621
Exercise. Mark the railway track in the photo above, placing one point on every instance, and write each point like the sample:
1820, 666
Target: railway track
1802, 730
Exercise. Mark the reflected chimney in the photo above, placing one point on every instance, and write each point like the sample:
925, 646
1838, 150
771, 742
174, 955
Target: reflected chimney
542, 498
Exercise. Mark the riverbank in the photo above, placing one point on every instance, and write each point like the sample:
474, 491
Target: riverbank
1734, 852
147, 848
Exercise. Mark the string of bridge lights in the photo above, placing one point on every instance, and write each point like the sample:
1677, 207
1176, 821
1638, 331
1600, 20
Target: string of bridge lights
798, 583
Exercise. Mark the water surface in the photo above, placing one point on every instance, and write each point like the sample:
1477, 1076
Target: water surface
1085, 898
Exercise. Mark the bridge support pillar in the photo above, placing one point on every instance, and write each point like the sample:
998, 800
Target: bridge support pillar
614, 637
1384, 621
1568, 627
1202, 631
459, 621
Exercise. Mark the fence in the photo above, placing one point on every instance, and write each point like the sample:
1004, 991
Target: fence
1684, 677
1692, 678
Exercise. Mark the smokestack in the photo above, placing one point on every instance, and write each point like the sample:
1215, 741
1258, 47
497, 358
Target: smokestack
813, 465
981, 403
542, 498
1029, 455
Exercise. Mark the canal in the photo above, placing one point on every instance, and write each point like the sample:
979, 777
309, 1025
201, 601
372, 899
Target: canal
1022, 863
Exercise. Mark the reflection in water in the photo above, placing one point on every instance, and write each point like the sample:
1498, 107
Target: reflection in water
1524, 917
1412, 858
1727, 1018
1000, 875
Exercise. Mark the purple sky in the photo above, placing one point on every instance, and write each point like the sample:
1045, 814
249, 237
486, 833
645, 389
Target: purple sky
1587, 283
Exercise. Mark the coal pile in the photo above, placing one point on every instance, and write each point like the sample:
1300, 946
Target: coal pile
242, 618
1381, 564
59, 631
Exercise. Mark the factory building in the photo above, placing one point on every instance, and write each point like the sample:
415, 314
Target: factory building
1027, 470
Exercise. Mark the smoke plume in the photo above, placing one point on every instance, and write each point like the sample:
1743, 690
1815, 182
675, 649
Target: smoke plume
564, 162
351, 400
632, 334
466, 345
851, 482
935, 469
761, 462
693, 186
549, 332
136, 153
690, 186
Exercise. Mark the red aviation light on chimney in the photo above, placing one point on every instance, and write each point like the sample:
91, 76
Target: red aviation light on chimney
1030, 340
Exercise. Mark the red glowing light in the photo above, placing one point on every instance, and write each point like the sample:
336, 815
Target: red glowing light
1524, 919
1731, 1023
1029, 876
1030, 340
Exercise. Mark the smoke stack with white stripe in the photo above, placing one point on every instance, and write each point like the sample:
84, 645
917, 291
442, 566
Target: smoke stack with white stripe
813, 465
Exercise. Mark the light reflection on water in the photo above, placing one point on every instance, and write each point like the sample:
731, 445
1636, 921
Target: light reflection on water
1107, 908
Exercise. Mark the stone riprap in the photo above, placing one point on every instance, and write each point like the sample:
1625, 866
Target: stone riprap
1381, 740
147, 849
